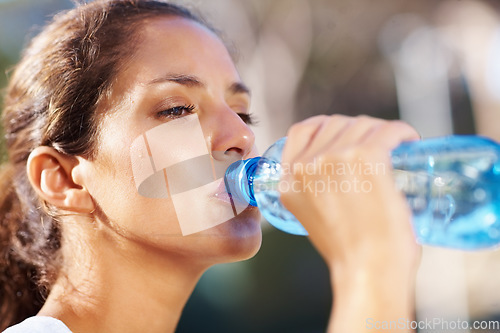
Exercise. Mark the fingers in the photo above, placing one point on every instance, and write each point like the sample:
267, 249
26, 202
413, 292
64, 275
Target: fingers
324, 134
300, 136
359, 128
335, 127
314, 134
390, 134
338, 187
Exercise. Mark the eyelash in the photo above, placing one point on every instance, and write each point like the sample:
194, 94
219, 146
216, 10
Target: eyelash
173, 112
247, 118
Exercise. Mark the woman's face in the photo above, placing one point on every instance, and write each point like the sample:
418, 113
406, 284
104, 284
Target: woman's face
177, 110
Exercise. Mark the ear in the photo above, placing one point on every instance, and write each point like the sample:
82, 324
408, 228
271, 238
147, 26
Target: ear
50, 174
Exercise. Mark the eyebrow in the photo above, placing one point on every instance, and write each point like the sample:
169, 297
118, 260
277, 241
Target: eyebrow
193, 81
185, 80
239, 88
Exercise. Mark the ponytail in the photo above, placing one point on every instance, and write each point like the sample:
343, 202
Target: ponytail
27, 252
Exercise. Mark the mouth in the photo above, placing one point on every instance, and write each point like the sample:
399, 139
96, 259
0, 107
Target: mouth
221, 193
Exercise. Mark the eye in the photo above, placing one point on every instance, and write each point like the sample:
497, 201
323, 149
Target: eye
248, 118
176, 111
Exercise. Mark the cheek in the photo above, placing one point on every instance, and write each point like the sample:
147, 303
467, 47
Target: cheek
114, 190
150, 218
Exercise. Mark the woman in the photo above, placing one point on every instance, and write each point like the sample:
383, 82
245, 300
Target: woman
114, 95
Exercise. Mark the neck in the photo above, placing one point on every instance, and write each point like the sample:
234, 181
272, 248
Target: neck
126, 288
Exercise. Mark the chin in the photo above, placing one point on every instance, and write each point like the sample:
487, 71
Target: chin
240, 237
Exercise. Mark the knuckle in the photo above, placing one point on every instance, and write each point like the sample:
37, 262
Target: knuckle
357, 154
402, 126
365, 118
369, 122
315, 120
307, 126
337, 117
299, 128
326, 159
347, 154
295, 129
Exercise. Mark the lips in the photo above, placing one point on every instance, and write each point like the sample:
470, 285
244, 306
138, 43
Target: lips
221, 193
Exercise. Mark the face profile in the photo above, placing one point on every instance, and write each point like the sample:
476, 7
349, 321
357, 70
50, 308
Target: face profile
169, 111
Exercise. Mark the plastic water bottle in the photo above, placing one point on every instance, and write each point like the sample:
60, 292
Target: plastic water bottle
452, 185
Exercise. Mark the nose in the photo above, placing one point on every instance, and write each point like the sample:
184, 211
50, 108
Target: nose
228, 135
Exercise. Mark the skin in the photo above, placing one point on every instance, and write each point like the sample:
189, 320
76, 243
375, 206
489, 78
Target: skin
124, 247
365, 238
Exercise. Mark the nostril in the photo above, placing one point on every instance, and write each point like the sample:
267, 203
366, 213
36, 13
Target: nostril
233, 151
223, 159
232, 154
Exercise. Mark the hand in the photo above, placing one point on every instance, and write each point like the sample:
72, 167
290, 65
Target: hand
340, 187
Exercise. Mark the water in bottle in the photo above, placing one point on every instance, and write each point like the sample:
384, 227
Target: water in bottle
452, 185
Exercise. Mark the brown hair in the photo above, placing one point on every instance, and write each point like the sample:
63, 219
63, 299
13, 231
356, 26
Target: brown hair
52, 100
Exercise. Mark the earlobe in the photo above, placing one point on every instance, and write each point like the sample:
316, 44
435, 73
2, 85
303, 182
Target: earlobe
50, 174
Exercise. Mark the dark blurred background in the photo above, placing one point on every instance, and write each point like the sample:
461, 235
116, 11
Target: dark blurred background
432, 63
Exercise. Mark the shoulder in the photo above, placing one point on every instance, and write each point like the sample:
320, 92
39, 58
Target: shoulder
39, 324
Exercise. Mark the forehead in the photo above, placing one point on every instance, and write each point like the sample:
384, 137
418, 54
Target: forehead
179, 45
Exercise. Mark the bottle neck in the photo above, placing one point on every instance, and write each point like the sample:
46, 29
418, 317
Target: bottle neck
239, 180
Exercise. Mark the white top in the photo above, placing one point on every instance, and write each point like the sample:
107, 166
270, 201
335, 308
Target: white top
39, 324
